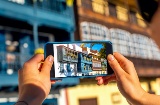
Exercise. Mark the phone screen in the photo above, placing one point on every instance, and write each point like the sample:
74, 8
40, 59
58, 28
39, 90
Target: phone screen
79, 59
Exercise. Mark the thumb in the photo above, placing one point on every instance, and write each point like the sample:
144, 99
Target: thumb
47, 65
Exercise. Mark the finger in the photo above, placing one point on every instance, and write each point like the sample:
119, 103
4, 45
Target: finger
46, 67
113, 78
115, 66
36, 59
53, 82
100, 81
125, 64
97, 78
106, 80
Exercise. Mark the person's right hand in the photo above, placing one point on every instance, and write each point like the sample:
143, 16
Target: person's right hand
34, 80
126, 77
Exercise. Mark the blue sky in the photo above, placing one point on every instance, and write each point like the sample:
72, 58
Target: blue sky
95, 47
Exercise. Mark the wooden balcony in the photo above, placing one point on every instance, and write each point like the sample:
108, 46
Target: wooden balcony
47, 13
109, 18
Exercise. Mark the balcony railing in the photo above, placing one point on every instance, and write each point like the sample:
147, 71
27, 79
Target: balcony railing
10, 63
55, 6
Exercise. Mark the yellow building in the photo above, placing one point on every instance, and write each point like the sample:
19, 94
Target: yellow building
88, 93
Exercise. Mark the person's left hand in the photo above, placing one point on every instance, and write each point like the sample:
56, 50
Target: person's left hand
126, 77
34, 79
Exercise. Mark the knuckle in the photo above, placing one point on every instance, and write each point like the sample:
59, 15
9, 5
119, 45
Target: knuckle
26, 64
130, 62
111, 63
49, 65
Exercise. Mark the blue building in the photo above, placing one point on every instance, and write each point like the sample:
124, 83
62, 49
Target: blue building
26, 25
84, 63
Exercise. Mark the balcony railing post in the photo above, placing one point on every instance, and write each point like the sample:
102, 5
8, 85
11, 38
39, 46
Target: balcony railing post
35, 34
35, 27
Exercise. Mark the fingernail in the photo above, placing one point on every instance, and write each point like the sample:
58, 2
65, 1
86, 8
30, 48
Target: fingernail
50, 58
111, 57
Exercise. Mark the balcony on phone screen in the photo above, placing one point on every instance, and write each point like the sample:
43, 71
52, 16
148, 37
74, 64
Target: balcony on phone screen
66, 54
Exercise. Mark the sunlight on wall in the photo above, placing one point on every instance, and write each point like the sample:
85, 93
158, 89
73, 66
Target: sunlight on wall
105, 95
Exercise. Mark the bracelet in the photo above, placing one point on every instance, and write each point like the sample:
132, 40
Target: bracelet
21, 101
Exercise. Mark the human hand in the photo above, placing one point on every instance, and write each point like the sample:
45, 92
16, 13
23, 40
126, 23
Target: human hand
126, 77
34, 79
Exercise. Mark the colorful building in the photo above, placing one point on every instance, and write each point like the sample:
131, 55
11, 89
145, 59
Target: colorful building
74, 60
25, 25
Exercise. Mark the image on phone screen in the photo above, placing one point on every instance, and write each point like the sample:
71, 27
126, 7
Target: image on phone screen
79, 59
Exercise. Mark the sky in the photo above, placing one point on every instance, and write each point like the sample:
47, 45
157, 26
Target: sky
95, 47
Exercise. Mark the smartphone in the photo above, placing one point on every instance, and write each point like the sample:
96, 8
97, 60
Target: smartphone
79, 59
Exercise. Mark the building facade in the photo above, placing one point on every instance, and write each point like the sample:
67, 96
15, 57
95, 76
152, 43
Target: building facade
120, 22
26, 25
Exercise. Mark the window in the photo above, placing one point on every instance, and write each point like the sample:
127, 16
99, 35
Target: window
106, 8
122, 41
85, 31
132, 17
98, 6
93, 31
96, 64
122, 13
97, 32
91, 101
86, 4
112, 10
122, 49
113, 36
155, 50
105, 33
133, 45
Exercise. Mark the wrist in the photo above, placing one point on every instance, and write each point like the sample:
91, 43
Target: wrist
32, 95
21, 103
29, 101
143, 99
139, 98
